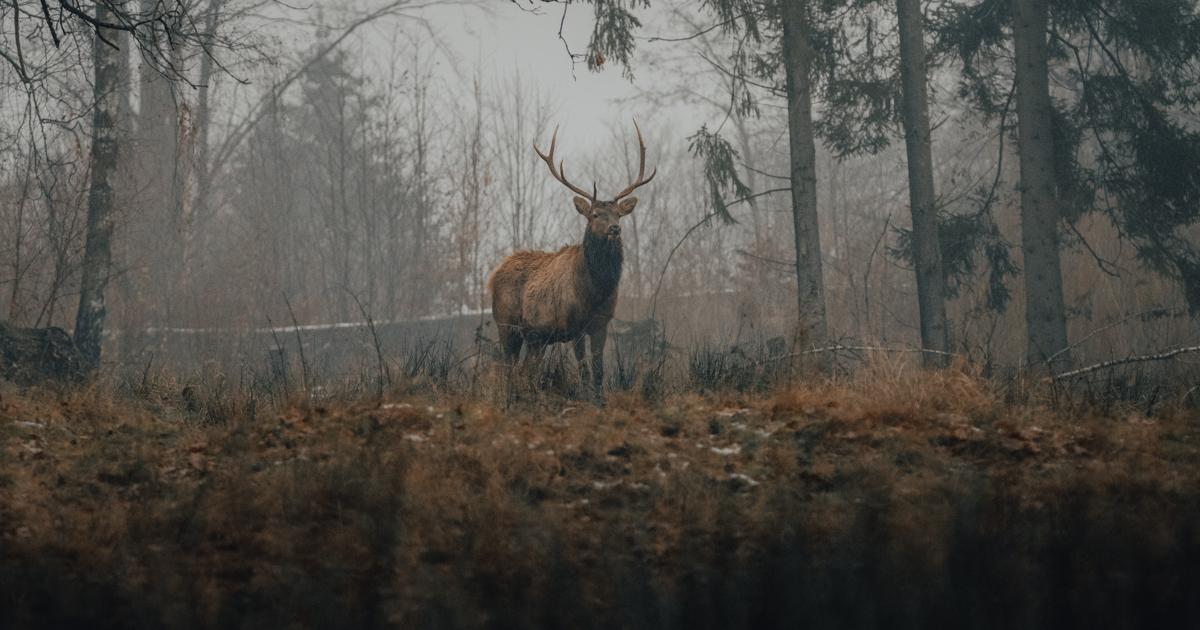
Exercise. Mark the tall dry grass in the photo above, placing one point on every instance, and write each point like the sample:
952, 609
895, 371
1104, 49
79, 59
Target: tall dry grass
883, 497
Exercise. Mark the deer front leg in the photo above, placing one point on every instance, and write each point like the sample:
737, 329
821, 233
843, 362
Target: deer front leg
580, 344
598, 338
532, 366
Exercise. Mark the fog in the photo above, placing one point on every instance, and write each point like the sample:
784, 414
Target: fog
336, 162
599, 313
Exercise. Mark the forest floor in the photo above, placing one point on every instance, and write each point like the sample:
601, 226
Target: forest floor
902, 500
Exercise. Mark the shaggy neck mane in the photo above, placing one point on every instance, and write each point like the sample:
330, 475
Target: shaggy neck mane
602, 261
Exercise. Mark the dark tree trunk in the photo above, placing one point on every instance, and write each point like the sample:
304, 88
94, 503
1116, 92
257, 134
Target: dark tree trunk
200, 206
1044, 312
927, 254
797, 58
97, 255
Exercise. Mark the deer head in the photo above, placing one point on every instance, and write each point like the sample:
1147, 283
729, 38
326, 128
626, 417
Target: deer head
603, 216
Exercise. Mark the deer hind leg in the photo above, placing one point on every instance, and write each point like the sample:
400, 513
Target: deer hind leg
531, 367
510, 343
599, 336
534, 349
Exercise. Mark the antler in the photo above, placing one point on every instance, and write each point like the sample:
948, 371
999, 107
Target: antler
641, 178
558, 173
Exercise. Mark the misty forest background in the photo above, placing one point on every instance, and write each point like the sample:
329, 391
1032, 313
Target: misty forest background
1013, 181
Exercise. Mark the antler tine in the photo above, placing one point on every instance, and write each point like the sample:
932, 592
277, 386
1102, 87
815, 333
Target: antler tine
641, 178
559, 173
641, 151
553, 141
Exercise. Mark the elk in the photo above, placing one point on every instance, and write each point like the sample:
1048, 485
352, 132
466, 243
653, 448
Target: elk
540, 298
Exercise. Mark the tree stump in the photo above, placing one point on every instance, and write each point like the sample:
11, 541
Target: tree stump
29, 356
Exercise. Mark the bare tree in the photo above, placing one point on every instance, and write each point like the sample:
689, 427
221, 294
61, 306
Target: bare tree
520, 113
473, 182
105, 152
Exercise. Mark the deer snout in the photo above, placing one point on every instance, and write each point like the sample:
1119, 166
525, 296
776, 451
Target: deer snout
614, 230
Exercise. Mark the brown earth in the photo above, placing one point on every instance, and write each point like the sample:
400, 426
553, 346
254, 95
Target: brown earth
887, 500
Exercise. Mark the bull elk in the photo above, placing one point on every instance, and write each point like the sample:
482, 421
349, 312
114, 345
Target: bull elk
540, 298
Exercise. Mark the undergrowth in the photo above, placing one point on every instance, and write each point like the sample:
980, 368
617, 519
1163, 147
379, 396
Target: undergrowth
888, 497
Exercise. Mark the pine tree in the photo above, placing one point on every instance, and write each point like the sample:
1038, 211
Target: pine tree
926, 246
1045, 314
1111, 138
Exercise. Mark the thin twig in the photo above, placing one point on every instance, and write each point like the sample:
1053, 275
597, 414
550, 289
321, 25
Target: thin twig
374, 336
699, 33
50, 23
570, 55
299, 343
708, 217
787, 264
282, 352
17, 42
1143, 314
1100, 262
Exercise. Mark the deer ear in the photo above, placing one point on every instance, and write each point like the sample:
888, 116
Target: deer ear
626, 206
583, 206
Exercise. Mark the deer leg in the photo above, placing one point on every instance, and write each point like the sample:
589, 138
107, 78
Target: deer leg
598, 338
510, 344
534, 349
580, 352
510, 350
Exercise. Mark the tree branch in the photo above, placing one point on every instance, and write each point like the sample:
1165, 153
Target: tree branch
708, 217
1162, 356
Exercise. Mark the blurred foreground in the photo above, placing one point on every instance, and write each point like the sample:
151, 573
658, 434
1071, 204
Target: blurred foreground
890, 498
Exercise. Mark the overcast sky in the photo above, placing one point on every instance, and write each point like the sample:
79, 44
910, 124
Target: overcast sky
498, 37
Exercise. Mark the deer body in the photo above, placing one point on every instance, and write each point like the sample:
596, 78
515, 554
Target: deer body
556, 297
539, 298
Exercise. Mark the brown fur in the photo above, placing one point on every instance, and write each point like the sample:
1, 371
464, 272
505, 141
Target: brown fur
539, 298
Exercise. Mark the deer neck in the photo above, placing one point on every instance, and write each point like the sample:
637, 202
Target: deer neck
602, 260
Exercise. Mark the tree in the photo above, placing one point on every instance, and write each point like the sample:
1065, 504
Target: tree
46, 45
471, 188
790, 34
1107, 139
1045, 314
798, 66
926, 245
520, 112
105, 150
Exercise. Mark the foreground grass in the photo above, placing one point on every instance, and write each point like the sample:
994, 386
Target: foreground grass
895, 499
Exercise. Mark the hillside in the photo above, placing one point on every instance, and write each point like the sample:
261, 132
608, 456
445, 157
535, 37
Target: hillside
897, 500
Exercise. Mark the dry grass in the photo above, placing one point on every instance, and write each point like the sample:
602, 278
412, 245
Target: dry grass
890, 498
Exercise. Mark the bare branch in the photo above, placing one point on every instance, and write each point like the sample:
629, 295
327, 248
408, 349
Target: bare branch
1162, 356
